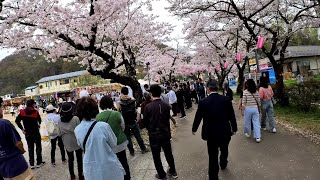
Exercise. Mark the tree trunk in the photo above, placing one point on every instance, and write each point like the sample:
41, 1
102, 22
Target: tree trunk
240, 81
170, 76
241, 76
280, 92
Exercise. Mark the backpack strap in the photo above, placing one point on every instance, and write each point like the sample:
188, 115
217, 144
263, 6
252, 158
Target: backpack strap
87, 135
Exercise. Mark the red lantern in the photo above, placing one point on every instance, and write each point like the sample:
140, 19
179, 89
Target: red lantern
225, 65
260, 42
239, 56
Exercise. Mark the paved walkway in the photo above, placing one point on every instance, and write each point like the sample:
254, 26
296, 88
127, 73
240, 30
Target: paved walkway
279, 156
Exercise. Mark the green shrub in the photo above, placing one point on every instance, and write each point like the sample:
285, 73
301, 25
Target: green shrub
317, 78
290, 83
305, 95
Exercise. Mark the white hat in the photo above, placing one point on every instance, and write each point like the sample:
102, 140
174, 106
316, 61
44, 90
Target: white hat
83, 93
50, 108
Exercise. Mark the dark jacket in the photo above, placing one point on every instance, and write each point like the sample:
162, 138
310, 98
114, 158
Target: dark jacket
180, 96
229, 94
31, 121
156, 118
144, 104
128, 110
218, 116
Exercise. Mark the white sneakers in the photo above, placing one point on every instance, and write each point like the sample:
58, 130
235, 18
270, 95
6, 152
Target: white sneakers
274, 130
258, 140
247, 135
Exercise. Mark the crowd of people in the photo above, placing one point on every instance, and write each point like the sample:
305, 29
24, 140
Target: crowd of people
99, 132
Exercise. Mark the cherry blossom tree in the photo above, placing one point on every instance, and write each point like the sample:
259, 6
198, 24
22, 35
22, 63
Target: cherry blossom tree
215, 46
168, 62
277, 21
108, 37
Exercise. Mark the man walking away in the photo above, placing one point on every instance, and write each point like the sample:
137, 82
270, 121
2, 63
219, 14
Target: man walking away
180, 101
13, 166
172, 100
219, 124
128, 111
157, 120
193, 91
165, 98
54, 119
31, 124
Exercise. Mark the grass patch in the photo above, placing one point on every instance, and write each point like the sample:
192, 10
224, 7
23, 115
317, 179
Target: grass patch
305, 120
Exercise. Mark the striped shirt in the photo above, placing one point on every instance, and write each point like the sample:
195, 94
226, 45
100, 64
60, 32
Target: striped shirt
251, 100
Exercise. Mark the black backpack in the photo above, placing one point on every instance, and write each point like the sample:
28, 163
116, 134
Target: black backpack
129, 112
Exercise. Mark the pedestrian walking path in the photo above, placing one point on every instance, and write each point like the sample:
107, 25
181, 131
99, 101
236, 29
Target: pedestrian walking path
279, 156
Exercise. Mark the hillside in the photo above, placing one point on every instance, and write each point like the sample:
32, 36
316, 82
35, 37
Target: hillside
23, 69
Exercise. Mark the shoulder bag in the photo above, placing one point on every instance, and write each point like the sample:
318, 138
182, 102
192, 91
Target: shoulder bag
256, 103
87, 135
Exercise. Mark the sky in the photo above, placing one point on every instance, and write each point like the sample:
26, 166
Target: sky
158, 9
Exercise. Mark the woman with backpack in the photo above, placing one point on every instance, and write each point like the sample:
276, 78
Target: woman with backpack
52, 120
67, 125
116, 122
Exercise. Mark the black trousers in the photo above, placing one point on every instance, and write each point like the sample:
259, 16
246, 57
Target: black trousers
181, 107
156, 145
195, 96
213, 151
188, 101
134, 128
53, 149
31, 140
123, 160
175, 109
79, 162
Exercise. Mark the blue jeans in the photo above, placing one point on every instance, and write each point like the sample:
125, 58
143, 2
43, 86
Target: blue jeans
267, 108
252, 113
136, 132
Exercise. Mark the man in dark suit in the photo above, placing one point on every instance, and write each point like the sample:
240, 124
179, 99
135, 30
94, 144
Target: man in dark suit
219, 124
